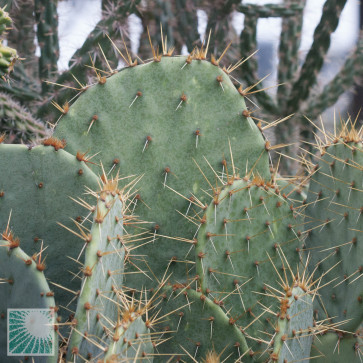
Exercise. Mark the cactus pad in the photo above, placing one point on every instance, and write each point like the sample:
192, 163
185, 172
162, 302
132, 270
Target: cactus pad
247, 224
36, 185
153, 119
196, 325
334, 218
22, 285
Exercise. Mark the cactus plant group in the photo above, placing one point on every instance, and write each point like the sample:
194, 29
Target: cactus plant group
155, 214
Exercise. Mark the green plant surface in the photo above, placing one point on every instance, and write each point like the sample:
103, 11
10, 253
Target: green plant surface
333, 220
35, 188
103, 255
46, 18
293, 338
337, 347
238, 253
195, 325
22, 285
181, 114
18, 123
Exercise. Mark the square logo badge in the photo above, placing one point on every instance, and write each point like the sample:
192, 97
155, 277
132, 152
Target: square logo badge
30, 332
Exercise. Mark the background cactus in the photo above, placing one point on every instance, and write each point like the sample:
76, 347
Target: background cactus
18, 123
8, 55
47, 32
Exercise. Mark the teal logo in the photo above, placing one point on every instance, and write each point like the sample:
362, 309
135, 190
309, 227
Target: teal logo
30, 332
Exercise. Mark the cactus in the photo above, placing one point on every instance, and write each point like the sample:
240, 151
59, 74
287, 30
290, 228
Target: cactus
194, 324
337, 347
333, 220
104, 56
98, 306
36, 185
7, 59
18, 123
5, 21
245, 226
160, 119
47, 31
103, 253
191, 108
22, 285
8, 55
293, 338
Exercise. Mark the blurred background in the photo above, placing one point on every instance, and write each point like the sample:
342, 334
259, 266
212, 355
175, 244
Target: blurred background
77, 18
309, 54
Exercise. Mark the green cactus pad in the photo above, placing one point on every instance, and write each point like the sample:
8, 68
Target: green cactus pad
104, 254
337, 347
22, 286
293, 339
333, 220
197, 325
134, 343
35, 188
245, 224
296, 193
153, 119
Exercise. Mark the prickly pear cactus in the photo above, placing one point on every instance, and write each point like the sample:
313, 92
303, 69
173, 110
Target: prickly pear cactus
194, 325
333, 223
243, 234
23, 286
154, 119
293, 338
98, 309
104, 254
337, 347
35, 188
131, 341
